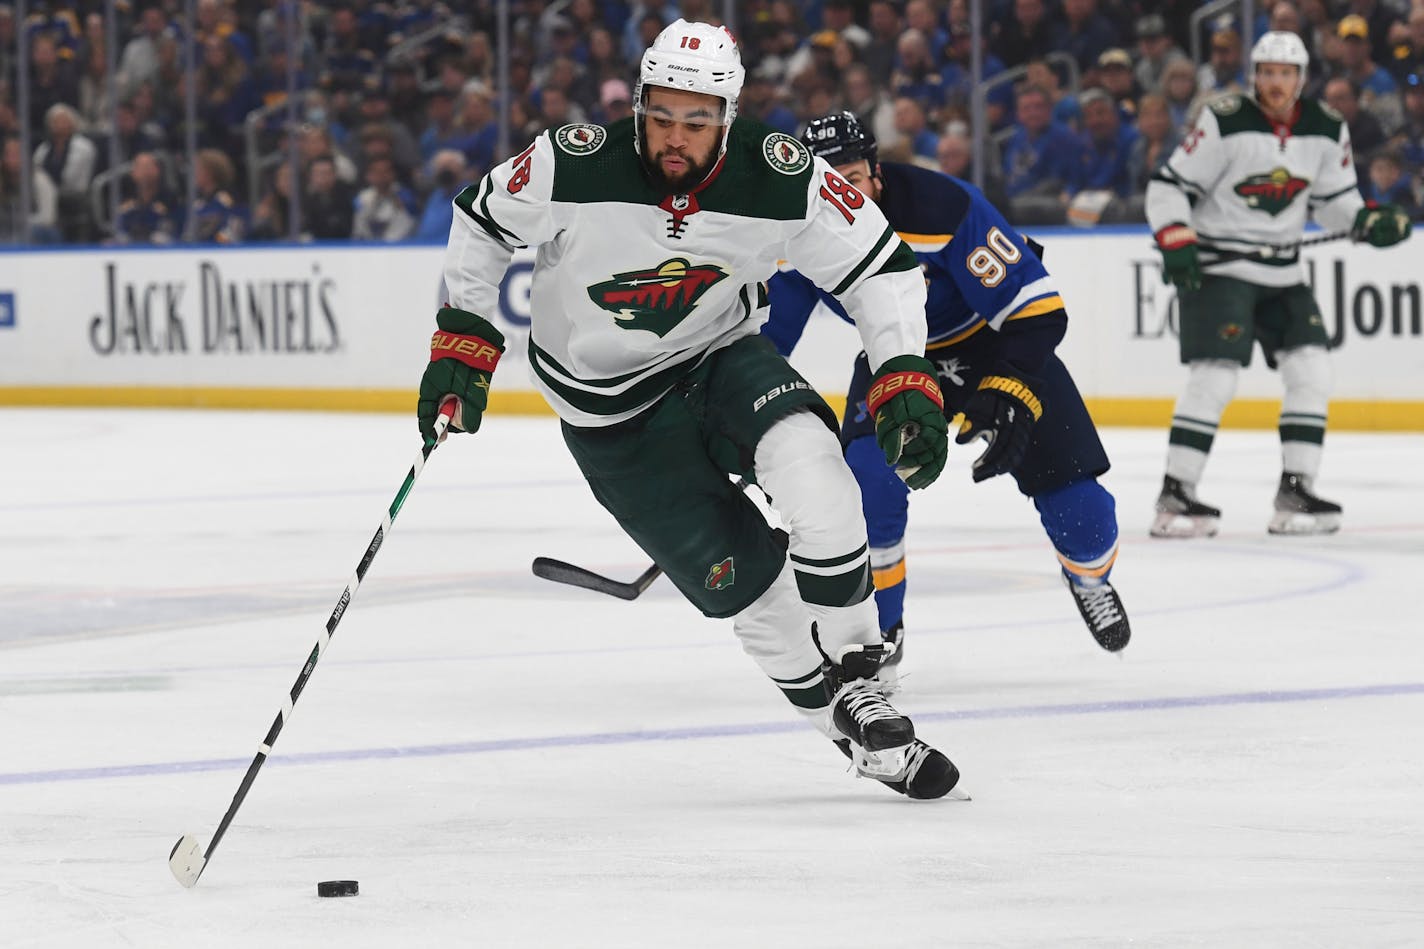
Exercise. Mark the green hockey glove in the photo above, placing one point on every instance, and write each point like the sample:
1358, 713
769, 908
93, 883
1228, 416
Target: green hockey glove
1180, 263
463, 354
910, 427
1381, 226
1002, 412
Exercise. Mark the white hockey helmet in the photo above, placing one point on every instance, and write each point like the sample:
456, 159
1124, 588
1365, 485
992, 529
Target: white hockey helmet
694, 57
1280, 46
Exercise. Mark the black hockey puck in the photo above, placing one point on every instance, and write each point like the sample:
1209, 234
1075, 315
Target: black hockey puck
338, 888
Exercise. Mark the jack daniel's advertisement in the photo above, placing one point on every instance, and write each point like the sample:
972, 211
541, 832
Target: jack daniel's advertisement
211, 312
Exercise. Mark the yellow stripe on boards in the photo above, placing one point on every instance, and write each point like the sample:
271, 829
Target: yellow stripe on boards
1346, 415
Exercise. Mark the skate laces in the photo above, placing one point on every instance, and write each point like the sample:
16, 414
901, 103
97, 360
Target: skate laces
1099, 603
919, 751
865, 703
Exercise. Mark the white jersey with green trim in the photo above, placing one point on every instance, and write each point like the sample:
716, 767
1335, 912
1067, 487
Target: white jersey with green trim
632, 289
1246, 186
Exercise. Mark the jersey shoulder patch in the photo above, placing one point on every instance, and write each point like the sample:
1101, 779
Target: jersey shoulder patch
785, 153
581, 138
1226, 105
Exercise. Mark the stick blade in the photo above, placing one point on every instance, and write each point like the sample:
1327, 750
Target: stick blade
560, 572
186, 860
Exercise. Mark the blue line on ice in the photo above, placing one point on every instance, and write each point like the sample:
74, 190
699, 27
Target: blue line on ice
710, 731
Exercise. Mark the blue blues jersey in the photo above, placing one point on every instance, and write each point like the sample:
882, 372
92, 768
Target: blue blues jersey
979, 271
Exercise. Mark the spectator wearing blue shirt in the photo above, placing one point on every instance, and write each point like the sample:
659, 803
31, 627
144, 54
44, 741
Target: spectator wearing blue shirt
1118, 81
1356, 64
449, 177
1037, 72
477, 123
1223, 72
441, 130
920, 16
1387, 183
385, 210
913, 130
214, 217
1107, 145
761, 100
1084, 33
150, 216
1040, 161
1026, 34
636, 36
916, 75
1411, 135
957, 79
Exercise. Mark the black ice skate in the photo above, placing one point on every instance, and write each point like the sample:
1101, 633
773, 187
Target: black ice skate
928, 774
1180, 514
1101, 608
1299, 511
880, 736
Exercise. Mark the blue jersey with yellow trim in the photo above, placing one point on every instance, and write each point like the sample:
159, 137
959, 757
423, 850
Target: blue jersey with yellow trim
978, 269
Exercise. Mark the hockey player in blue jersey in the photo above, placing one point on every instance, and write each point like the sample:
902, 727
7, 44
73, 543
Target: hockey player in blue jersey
995, 319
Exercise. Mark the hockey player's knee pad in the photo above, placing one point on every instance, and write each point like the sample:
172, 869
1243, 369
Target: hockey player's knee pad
883, 496
1080, 519
1211, 386
1308, 378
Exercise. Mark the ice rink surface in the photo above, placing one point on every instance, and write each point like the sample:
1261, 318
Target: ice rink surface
504, 762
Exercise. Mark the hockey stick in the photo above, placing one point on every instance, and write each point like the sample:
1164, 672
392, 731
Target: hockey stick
1272, 251
575, 576
187, 860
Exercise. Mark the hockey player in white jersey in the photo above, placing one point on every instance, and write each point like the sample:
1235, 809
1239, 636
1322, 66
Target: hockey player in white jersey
1228, 210
653, 238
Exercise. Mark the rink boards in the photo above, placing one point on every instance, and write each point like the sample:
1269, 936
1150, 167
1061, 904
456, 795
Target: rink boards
347, 327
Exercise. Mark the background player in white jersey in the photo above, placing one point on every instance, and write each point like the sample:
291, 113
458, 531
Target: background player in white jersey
1228, 210
654, 237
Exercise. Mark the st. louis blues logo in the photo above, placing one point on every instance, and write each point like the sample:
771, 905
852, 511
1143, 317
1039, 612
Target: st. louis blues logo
722, 575
656, 299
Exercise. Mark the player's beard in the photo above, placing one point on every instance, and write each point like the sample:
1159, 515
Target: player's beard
694, 175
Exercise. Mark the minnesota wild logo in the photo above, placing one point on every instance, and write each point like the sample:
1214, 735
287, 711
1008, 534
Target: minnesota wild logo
656, 299
785, 154
1272, 192
581, 139
721, 576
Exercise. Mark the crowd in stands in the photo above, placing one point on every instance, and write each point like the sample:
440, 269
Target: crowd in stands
397, 102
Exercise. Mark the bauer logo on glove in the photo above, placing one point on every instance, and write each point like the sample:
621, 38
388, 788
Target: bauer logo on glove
908, 407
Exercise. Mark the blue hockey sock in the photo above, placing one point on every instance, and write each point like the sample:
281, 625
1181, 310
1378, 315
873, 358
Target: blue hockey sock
1081, 521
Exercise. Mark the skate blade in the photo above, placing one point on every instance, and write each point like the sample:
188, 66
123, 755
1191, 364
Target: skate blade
1297, 523
887, 763
1171, 525
956, 793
